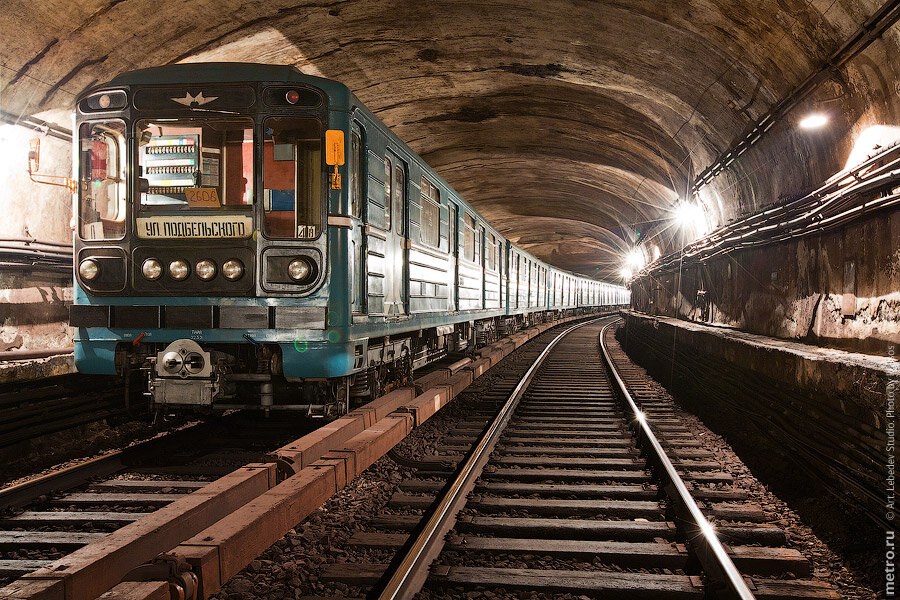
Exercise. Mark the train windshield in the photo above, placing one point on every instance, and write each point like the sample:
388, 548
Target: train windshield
195, 166
101, 192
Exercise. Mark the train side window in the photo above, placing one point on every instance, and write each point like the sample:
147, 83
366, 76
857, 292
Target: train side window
489, 252
429, 227
388, 169
293, 166
469, 240
356, 179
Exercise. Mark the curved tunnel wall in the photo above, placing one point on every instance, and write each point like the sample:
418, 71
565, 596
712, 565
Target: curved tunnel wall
838, 289
572, 125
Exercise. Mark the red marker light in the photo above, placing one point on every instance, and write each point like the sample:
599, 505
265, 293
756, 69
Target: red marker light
103, 101
292, 96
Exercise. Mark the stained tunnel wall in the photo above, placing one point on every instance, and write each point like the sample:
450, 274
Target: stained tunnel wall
801, 418
33, 300
797, 290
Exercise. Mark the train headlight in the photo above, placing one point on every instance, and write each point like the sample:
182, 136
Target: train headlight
233, 269
88, 269
205, 269
179, 269
299, 269
152, 269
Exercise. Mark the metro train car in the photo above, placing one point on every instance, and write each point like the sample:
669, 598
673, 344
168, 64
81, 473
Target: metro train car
252, 237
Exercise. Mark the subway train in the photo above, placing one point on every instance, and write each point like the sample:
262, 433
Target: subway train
252, 237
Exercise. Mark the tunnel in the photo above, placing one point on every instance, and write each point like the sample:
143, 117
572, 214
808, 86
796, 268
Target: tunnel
720, 179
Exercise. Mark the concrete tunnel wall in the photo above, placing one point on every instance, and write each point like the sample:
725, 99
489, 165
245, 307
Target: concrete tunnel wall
795, 290
567, 124
34, 302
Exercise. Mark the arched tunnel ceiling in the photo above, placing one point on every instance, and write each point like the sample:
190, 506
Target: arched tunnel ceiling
563, 122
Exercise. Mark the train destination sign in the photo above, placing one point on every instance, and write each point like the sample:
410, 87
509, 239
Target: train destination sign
199, 226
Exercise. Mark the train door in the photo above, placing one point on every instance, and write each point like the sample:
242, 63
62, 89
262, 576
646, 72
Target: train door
552, 292
518, 280
395, 251
529, 296
453, 296
358, 235
498, 259
482, 264
512, 276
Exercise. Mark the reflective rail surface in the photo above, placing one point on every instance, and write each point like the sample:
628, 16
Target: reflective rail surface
414, 568
410, 575
707, 546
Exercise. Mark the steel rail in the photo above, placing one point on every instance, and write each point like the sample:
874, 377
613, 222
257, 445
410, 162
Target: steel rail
709, 549
412, 571
21, 494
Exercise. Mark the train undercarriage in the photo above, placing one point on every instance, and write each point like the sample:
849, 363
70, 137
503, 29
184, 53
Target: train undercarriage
186, 375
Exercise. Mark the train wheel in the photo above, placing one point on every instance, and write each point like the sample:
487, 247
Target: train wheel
339, 401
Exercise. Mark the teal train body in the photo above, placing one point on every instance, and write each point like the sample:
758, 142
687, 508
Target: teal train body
252, 237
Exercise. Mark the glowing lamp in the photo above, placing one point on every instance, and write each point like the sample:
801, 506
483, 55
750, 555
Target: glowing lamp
814, 121
636, 259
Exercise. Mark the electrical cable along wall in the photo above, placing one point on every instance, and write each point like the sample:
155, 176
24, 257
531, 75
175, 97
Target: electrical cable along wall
822, 268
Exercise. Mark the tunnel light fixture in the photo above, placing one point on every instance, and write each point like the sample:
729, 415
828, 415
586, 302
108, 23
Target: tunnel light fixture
870, 141
814, 121
636, 259
626, 273
688, 214
691, 217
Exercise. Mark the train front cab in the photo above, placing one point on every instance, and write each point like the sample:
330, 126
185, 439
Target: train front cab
204, 247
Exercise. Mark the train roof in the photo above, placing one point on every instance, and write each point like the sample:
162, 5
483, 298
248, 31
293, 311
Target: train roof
217, 72
230, 72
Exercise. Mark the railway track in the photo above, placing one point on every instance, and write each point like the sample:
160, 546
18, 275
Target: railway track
563, 492
235, 516
35, 408
45, 518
